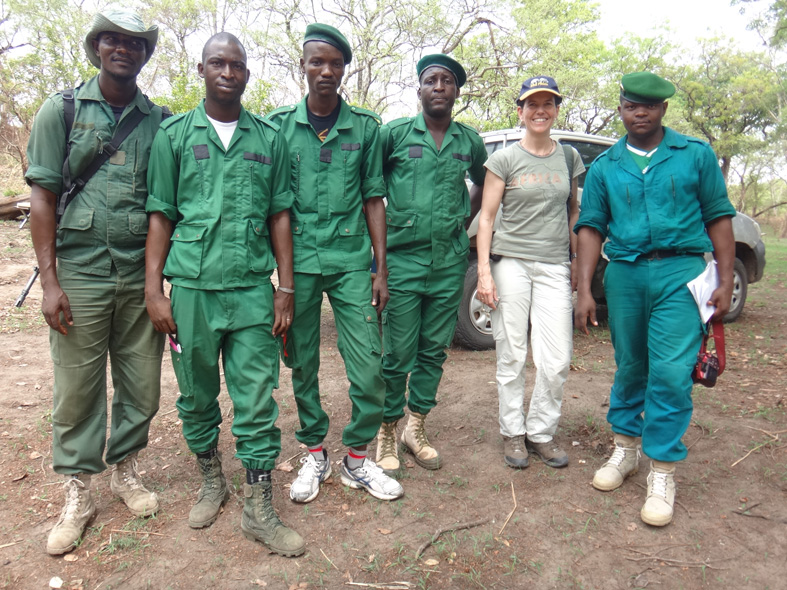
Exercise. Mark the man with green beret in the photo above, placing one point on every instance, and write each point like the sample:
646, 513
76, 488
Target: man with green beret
338, 217
425, 159
219, 184
660, 200
92, 271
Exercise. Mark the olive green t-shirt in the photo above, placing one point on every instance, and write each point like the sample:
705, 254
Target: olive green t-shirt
534, 221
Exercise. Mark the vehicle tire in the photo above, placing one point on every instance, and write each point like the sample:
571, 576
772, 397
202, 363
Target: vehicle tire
740, 287
474, 326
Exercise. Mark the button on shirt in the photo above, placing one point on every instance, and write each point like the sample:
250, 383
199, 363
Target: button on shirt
331, 181
105, 224
219, 199
428, 201
667, 208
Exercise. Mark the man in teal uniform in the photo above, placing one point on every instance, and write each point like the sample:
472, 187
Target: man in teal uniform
338, 184
92, 273
219, 201
426, 158
660, 199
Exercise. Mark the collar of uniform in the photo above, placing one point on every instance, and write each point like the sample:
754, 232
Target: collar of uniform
201, 120
90, 90
343, 122
453, 129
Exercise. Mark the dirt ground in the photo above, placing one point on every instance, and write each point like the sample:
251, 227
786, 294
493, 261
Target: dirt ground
537, 528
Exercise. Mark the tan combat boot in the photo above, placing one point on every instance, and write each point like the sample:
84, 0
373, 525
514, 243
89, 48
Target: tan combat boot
261, 523
125, 483
387, 457
658, 508
623, 463
77, 511
212, 494
414, 440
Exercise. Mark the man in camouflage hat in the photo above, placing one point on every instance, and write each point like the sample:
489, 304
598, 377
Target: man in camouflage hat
92, 272
338, 216
425, 159
660, 199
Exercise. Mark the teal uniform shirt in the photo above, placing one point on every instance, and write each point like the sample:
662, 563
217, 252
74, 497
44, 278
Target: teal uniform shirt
219, 200
428, 201
667, 208
331, 181
106, 224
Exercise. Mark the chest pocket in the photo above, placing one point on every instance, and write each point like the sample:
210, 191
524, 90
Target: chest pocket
201, 158
260, 167
350, 190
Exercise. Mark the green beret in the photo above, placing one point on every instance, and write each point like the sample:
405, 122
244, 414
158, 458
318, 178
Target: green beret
645, 88
443, 61
331, 36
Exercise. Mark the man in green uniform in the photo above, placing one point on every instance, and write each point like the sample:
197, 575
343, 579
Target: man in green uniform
426, 158
92, 272
338, 184
660, 199
219, 200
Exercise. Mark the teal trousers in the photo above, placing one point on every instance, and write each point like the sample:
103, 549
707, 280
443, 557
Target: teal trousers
237, 325
110, 320
418, 325
358, 330
656, 331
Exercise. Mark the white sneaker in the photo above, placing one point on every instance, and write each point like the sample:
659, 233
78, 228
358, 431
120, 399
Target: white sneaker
371, 478
307, 485
623, 463
658, 508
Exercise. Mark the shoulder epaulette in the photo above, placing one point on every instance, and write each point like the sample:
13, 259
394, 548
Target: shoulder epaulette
281, 110
368, 113
466, 126
170, 121
399, 122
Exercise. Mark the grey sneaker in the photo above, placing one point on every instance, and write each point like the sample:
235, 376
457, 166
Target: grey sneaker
126, 484
77, 511
548, 452
371, 478
514, 452
312, 473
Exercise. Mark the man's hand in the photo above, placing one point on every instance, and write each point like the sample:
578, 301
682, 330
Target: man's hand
160, 312
584, 310
380, 295
54, 303
721, 299
283, 309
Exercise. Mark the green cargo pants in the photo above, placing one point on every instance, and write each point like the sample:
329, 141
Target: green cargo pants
418, 325
110, 318
236, 323
359, 344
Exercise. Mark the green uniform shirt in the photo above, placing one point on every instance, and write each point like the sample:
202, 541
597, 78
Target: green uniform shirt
219, 199
667, 208
106, 223
428, 201
331, 180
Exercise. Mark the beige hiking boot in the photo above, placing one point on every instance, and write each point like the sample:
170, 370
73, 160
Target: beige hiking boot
387, 457
212, 494
514, 451
261, 523
125, 483
77, 511
658, 508
623, 463
414, 441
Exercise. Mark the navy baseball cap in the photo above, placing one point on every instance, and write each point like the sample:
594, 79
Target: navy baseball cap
540, 84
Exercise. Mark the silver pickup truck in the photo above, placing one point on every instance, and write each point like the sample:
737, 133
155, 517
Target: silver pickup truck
474, 329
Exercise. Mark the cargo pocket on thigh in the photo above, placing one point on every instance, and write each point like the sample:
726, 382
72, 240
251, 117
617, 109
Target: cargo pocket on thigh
388, 348
372, 328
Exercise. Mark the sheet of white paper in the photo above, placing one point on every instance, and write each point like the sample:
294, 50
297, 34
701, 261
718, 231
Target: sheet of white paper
703, 287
